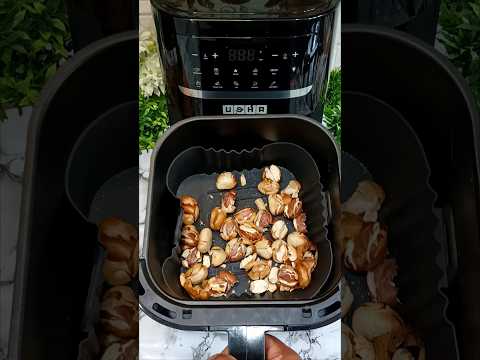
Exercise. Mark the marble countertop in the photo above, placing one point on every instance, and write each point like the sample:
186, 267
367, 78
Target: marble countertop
13, 133
160, 342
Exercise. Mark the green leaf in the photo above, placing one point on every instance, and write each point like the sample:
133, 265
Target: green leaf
18, 18
62, 52
7, 56
20, 48
38, 45
471, 27
460, 33
153, 120
45, 35
59, 39
39, 7
446, 41
58, 24
476, 9
30, 8
52, 69
332, 105
23, 35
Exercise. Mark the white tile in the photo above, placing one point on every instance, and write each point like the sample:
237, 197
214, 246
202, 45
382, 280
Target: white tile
13, 133
6, 294
142, 198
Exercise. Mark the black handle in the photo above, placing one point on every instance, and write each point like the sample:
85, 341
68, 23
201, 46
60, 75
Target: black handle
247, 342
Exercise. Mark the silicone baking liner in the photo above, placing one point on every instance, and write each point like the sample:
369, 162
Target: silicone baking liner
194, 172
417, 236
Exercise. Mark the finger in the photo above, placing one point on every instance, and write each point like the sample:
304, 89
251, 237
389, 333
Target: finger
226, 351
277, 350
221, 356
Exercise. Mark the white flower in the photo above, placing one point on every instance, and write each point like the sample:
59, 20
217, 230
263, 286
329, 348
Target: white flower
151, 76
144, 163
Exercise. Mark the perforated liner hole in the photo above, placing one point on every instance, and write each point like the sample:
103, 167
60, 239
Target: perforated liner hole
307, 313
329, 309
187, 314
165, 312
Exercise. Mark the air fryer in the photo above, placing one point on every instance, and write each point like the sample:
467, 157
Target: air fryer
56, 248
244, 144
244, 58
425, 89
416, 17
93, 20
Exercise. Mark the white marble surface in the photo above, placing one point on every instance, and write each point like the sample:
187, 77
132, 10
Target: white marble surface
13, 132
160, 342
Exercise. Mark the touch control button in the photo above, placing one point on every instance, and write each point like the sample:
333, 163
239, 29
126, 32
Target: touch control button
217, 85
273, 85
274, 71
260, 54
236, 72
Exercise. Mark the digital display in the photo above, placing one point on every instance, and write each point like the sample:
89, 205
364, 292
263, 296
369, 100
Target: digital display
241, 55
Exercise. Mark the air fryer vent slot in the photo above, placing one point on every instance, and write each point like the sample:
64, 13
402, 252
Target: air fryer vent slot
165, 312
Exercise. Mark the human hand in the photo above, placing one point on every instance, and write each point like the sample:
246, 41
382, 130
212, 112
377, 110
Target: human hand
224, 355
277, 350
274, 350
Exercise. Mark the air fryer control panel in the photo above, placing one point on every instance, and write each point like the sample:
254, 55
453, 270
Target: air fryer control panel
217, 68
237, 67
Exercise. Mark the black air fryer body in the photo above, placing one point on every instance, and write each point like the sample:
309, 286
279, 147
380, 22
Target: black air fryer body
416, 17
224, 57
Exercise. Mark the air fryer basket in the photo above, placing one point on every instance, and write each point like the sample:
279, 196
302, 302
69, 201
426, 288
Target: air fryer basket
101, 181
56, 246
194, 171
101, 175
244, 317
416, 234
434, 99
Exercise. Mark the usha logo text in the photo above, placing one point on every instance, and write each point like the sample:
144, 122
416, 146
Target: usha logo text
245, 109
